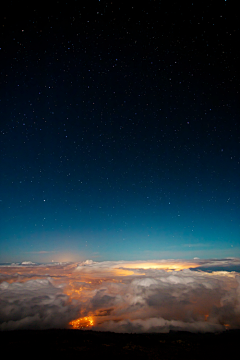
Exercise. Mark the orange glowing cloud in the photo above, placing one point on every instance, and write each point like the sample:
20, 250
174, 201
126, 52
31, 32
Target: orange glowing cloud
121, 296
164, 266
80, 323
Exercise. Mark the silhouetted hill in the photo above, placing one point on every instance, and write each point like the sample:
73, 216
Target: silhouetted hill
91, 345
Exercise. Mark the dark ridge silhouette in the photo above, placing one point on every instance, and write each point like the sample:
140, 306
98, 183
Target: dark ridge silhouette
80, 344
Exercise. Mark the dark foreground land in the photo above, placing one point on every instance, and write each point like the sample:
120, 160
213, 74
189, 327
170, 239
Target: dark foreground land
92, 345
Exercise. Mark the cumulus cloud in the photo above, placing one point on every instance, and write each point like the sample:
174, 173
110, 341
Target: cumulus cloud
34, 304
122, 296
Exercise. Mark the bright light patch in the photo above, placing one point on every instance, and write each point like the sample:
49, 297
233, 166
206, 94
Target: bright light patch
81, 323
161, 266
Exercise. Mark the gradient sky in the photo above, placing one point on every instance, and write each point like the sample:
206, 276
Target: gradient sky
120, 132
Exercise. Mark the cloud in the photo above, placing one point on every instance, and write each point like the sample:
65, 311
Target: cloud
160, 325
122, 296
40, 252
34, 304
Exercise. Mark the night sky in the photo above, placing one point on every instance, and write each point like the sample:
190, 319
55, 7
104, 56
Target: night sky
119, 131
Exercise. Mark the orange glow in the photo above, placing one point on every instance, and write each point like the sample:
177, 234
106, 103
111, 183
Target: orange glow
122, 272
163, 266
206, 317
73, 293
85, 322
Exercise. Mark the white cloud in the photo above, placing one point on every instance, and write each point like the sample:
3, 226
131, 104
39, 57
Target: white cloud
34, 304
122, 296
159, 325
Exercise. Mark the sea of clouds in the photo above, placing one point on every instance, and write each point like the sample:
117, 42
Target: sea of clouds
122, 296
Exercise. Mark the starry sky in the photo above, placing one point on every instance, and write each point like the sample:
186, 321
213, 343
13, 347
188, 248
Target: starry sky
119, 131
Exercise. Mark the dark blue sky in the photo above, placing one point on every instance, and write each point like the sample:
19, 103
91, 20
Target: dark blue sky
120, 133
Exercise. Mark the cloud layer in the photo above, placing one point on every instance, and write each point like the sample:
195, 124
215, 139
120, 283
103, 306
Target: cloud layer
122, 296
